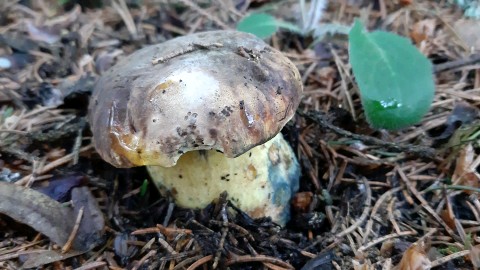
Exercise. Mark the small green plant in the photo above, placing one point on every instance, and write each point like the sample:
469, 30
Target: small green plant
263, 25
395, 79
144, 188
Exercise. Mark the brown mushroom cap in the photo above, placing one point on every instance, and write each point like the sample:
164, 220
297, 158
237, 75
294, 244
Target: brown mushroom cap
222, 90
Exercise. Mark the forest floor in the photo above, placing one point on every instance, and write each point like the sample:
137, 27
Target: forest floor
368, 199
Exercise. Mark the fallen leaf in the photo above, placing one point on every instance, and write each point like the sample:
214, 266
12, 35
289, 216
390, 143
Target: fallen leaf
37, 259
60, 187
51, 218
464, 173
415, 258
92, 226
38, 211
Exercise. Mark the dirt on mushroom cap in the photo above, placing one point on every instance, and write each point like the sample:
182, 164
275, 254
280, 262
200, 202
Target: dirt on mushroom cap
222, 90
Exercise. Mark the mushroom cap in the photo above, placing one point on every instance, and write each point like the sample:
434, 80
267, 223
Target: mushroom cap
222, 90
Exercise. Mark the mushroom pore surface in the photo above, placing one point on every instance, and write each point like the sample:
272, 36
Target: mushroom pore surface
222, 90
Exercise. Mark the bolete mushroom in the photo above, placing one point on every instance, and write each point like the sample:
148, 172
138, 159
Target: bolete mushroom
200, 111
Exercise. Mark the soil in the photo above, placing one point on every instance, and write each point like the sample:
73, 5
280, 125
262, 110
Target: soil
368, 198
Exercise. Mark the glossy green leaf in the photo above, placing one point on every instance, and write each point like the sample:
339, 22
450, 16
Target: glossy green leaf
144, 188
395, 79
261, 25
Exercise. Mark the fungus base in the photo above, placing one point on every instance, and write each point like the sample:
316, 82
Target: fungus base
261, 182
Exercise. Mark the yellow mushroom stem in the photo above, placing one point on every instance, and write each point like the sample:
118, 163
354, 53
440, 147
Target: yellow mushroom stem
261, 182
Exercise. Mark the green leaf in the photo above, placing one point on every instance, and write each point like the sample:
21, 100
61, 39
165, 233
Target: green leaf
144, 188
395, 79
261, 25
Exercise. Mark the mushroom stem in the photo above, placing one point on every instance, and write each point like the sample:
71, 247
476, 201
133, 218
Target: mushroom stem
261, 181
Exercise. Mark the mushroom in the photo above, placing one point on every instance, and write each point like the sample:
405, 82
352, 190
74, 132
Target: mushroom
203, 112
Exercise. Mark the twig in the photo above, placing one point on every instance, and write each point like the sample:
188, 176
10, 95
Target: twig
237, 227
161, 229
383, 238
258, 258
200, 262
143, 259
457, 63
321, 119
166, 246
343, 74
76, 146
450, 257
170, 208
375, 209
218, 253
198, 9
53, 165
15, 249
391, 216
73, 234
182, 264
366, 210
121, 7
190, 48
92, 265
13, 149
425, 204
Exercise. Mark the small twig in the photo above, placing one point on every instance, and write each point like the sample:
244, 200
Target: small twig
343, 72
166, 246
363, 217
170, 208
144, 259
450, 257
148, 245
350, 241
383, 238
73, 234
273, 266
53, 164
237, 227
319, 118
200, 262
15, 249
161, 229
258, 258
13, 131
425, 204
391, 217
76, 146
190, 48
193, 6
457, 63
121, 7
223, 213
375, 208
13, 149
181, 265
92, 265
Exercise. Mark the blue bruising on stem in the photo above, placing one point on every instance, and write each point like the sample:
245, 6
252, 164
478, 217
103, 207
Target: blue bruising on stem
284, 179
